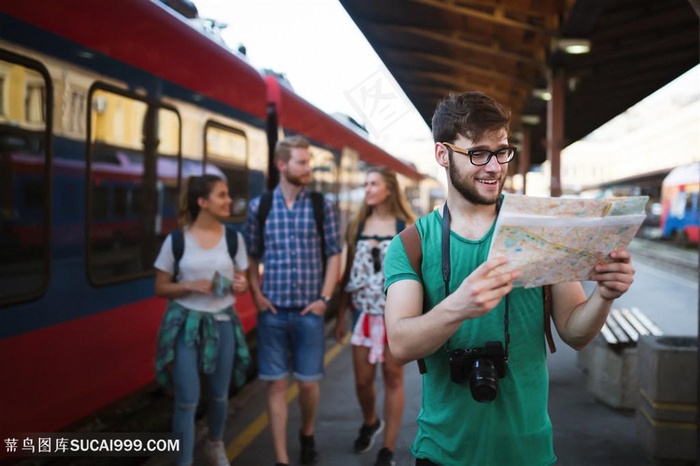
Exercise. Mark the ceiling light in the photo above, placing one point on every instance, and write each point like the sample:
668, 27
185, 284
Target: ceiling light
530, 120
574, 46
543, 94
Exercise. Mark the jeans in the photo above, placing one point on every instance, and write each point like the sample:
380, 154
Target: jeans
186, 384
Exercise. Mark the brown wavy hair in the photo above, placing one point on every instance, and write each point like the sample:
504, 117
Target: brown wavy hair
196, 187
471, 114
283, 149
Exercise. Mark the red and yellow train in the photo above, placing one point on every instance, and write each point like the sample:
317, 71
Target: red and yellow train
105, 107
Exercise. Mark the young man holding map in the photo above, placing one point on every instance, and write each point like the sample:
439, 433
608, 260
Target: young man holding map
481, 338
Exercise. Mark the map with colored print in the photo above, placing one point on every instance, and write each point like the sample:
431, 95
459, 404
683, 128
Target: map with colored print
554, 240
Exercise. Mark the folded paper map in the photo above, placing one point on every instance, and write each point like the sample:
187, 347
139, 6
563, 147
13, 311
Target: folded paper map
221, 286
554, 240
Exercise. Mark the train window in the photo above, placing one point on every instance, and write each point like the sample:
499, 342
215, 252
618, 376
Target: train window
690, 200
24, 179
100, 203
226, 154
35, 106
325, 172
121, 201
168, 126
133, 163
351, 182
77, 112
3, 99
413, 195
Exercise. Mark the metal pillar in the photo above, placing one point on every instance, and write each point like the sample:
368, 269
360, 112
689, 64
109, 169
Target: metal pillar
524, 156
555, 130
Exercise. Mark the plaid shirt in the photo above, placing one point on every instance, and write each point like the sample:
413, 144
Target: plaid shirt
292, 257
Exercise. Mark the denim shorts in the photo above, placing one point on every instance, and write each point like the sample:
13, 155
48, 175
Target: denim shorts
290, 337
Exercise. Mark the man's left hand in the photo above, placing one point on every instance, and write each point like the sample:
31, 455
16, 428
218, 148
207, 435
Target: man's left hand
615, 278
318, 307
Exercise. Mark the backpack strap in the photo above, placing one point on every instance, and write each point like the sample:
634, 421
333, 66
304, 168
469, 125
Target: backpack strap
263, 211
317, 203
177, 244
410, 238
411, 243
547, 297
231, 241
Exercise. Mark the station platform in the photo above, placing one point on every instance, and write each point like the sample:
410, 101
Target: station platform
586, 432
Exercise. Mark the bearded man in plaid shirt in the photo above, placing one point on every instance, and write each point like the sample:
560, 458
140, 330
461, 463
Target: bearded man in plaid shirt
294, 293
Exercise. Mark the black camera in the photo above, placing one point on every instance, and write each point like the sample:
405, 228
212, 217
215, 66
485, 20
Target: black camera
481, 367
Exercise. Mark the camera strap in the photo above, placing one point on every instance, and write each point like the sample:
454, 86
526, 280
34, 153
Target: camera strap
446, 272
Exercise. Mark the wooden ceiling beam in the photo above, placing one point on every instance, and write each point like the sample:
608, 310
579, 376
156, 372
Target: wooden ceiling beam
639, 25
497, 16
460, 84
412, 55
510, 98
539, 65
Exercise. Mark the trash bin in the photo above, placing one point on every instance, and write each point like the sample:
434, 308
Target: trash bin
667, 371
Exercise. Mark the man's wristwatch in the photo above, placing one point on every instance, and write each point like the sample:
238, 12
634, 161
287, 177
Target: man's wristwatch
325, 299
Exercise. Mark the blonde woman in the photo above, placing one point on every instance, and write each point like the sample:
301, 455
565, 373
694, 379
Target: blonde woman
383, 214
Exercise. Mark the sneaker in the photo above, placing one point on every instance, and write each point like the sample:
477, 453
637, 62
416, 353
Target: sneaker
385, 457
216, 453
309, 455
367, 436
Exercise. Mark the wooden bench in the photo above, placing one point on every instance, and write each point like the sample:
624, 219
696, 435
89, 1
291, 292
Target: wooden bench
623, 327
610, 360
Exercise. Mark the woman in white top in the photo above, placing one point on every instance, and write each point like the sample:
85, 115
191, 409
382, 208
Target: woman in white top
383, 214
198, 332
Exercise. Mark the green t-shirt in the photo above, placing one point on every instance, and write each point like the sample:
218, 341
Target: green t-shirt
454, 429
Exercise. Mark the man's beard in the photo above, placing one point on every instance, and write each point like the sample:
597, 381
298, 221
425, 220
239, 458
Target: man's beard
469, 191
297, 180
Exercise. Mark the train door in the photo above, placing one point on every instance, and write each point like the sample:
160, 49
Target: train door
25, 181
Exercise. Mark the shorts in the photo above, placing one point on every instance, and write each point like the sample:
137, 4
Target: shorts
290, 337
369, 330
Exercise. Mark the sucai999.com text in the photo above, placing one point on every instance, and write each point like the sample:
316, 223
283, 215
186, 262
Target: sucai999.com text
82, 444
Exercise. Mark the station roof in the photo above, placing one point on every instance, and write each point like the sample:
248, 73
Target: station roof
508, 48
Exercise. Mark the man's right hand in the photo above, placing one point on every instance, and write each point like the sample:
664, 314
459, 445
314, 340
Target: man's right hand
262, 303
482, 290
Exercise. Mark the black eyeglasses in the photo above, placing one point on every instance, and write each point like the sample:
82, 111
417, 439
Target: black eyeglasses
375, 260
481, 157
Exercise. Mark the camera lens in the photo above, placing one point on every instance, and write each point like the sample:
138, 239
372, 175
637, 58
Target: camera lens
483, 380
